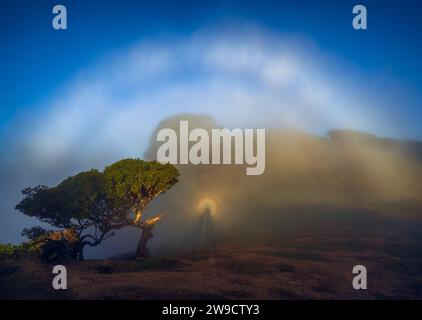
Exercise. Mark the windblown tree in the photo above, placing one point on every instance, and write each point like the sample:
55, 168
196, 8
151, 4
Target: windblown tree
94, 204
79, 203
135, 183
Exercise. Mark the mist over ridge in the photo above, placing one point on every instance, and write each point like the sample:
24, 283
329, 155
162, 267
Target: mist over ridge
341, 179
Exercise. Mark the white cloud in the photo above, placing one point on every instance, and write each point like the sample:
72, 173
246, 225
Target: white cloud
113, 106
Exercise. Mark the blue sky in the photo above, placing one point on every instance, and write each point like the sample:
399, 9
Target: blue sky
93, 94
36, 60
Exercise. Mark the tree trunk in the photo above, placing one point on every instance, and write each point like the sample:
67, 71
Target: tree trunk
78, 251
81, 254
142, 250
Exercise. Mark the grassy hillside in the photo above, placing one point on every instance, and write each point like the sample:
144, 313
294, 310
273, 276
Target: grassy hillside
306, 266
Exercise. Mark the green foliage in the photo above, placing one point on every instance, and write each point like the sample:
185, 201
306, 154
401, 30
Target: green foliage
137, 181
51, 246
55, 251
42, 202
92, 200
34, 232
76, 197
8, 250
81, 195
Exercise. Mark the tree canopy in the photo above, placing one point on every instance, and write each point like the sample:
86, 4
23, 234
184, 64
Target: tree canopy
137, 182
96, 203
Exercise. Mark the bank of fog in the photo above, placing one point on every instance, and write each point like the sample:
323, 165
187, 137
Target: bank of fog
309, 181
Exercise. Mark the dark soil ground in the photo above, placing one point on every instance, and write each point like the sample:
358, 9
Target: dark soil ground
311, 266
